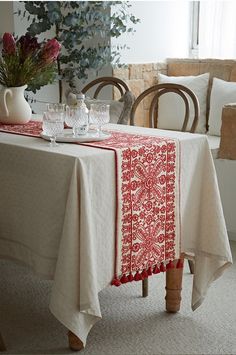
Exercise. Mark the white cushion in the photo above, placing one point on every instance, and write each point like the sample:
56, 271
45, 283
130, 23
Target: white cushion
222, 93
214, 144
171, 107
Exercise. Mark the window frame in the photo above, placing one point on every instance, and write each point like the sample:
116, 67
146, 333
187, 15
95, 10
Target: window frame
194, 30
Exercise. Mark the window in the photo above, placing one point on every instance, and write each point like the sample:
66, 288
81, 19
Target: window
213, 29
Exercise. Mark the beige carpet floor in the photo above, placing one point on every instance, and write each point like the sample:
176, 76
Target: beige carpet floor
130, 324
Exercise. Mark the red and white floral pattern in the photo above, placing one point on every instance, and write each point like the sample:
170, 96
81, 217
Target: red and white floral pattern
32, 128
147, 202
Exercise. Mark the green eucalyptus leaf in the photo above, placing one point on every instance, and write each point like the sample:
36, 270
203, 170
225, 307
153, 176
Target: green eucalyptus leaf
36, 28
54, 16
31, 8
71, 20
53, 5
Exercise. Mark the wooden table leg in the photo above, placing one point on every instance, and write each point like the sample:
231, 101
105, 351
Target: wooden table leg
74, 342
2, 345
191, 266
145, 287
173, 288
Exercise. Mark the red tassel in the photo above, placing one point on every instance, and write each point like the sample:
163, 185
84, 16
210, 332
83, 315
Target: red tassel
180, 264
170, 265
156, 270
116, 282
124, 279
149, 271
137, 276
130, 277
144, 274
162, 267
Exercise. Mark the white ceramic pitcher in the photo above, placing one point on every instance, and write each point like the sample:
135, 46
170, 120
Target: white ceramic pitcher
14, 109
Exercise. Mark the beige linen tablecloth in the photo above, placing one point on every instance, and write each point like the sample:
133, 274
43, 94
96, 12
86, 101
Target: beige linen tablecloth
57, 215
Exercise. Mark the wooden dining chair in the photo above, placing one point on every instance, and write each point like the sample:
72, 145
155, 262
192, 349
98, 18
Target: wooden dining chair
155, 92
120, 109
158, 90
100, 83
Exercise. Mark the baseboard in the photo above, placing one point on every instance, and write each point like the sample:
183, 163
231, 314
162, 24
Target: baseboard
232, 235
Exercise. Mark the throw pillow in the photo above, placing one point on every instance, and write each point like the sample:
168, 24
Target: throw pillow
227, 148
171, 107
222, 93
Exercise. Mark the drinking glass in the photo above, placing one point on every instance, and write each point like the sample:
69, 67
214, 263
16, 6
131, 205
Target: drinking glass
55, 107
53, 124
77, 118
99, 115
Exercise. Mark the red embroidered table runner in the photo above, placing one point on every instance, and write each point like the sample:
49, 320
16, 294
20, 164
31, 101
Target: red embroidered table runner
147, 237
31, 129
147, 217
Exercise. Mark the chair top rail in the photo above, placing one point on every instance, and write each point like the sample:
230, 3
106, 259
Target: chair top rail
165, 88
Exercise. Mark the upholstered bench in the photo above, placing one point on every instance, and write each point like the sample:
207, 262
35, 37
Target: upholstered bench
221, 91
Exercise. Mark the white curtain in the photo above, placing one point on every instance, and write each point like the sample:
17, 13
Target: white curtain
217, 29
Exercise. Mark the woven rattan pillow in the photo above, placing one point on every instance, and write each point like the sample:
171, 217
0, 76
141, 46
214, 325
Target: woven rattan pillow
227, 148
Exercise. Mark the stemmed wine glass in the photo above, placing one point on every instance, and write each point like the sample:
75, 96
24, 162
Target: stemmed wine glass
53, 124
77, 118
99, 115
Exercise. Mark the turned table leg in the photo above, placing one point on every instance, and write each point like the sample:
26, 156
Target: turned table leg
173, 288
74, 342
145, 288
191, 266
2, 345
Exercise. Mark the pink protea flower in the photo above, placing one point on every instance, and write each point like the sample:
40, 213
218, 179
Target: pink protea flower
51, 51
27, 62
9, 44
28, 45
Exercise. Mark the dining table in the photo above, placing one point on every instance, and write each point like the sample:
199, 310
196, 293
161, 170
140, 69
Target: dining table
58, 216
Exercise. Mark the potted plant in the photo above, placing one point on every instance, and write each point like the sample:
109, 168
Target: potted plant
24, 63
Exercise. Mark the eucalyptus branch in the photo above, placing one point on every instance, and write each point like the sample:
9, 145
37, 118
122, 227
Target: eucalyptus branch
84, 29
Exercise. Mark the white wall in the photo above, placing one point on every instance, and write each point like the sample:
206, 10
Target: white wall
162, 33
6, 17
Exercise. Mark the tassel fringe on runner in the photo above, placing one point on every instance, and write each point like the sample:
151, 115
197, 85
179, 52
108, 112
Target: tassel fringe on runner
138, 276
